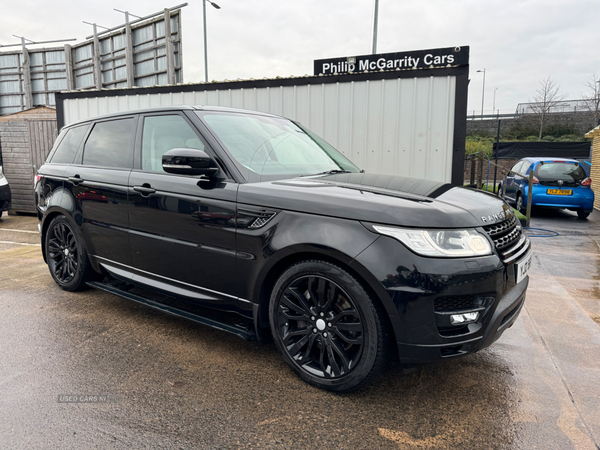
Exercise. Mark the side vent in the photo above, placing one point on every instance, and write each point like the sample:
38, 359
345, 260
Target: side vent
256, 219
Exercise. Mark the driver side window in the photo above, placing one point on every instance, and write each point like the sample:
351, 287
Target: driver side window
163, 133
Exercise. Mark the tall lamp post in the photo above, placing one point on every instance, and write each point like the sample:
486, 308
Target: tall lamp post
375, 20
482, 91
205, 45
494, 103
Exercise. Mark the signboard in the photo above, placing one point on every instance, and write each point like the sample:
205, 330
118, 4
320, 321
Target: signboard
418, 59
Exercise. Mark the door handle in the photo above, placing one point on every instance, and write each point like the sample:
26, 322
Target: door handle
75, 180
144, 189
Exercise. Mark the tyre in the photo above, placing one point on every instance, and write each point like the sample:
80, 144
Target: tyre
67, 259
582, 214
327, 328
522, 209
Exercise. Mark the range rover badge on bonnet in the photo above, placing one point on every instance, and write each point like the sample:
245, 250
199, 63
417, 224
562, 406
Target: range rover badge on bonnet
502, 215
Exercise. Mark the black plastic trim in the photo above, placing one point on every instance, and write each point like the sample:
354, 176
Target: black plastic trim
233, 329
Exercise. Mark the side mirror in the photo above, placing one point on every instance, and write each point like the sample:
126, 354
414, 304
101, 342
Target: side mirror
189, 161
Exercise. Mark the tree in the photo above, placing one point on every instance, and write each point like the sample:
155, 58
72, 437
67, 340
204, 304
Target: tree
592, 99
546, 97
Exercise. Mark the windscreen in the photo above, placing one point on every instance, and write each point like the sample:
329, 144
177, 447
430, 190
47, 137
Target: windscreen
563, 171
271, 147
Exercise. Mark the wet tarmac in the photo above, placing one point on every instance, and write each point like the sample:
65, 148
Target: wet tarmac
168, 383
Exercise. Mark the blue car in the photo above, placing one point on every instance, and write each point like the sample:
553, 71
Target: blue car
557, 183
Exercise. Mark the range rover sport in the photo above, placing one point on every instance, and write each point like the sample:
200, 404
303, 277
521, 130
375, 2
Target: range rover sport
254, 215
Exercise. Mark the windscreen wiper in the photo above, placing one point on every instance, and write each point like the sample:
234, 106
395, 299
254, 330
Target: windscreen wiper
329, 172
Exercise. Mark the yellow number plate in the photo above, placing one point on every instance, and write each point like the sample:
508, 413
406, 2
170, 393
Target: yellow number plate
559, 192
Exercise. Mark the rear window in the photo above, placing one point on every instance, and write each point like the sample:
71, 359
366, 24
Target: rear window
110, 145
554, 171
67, 149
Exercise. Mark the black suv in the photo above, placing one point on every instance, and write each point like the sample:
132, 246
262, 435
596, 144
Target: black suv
253, 214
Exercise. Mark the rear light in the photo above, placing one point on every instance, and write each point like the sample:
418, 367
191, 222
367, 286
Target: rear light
536, 181
37, 178
586, 182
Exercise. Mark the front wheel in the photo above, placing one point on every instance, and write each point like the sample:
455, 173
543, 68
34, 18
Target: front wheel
67, 259
327, 328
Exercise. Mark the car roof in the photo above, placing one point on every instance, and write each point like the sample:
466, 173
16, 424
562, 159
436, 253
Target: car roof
168, 109
544, 159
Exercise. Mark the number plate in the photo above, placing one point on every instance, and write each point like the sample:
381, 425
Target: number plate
559, 192
522, 267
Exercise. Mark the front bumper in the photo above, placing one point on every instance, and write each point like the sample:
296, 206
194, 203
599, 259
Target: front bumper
421, 293
5, 198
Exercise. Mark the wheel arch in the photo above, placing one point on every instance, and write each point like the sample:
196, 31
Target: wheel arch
268, 282
47, 218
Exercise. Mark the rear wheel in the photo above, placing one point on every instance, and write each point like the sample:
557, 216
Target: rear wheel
327, 328
67, 259
582, 214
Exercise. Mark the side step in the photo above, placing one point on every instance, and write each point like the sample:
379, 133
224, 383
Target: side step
223, 326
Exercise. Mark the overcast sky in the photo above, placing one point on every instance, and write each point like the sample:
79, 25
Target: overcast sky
518, 42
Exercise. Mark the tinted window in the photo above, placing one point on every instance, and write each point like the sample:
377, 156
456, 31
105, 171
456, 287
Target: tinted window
67, 149
564, 171
163, 133
110, 144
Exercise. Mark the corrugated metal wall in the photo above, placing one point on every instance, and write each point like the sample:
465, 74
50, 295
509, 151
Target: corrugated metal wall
402, 126
72, 67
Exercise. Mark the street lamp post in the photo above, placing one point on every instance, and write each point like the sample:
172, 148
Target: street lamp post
482, 91
494, 103
205, 45
375, 19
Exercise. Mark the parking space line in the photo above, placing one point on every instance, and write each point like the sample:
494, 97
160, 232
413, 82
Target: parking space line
20, 243
18, 231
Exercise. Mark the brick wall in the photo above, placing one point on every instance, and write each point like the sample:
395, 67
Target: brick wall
504, 164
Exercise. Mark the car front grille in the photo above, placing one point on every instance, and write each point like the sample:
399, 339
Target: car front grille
508, 238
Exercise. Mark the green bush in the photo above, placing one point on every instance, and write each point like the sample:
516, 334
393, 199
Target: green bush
549, 138
476, 144
561, 129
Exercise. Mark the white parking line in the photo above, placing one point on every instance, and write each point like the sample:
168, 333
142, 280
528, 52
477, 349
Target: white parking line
18, 231
20, 243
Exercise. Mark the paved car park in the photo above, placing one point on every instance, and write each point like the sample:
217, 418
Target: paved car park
165, 382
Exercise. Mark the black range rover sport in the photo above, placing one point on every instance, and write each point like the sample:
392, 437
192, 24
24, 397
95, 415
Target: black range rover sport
255, 216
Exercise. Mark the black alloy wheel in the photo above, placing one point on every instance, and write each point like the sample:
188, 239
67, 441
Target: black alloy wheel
327, 328
67, 259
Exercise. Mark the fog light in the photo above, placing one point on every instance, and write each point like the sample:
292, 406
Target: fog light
461, 319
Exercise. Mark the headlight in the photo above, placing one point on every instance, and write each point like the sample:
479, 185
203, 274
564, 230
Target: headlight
444, 243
